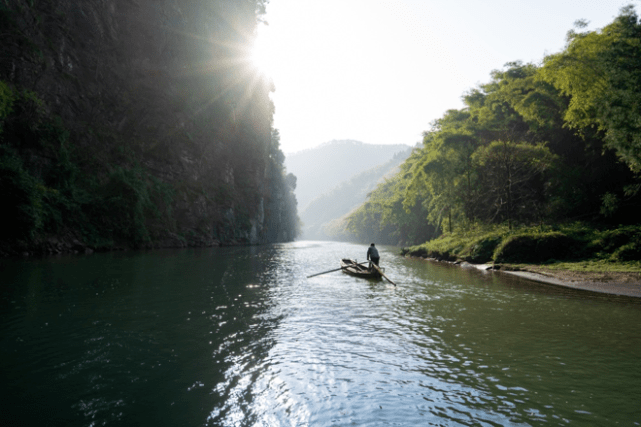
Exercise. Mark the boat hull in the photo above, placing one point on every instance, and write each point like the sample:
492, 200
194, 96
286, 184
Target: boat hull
352, 268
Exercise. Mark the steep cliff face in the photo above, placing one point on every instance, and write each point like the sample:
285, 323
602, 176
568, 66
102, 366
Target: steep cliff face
137, 123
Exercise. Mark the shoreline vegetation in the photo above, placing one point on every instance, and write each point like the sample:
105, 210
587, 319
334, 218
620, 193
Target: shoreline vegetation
578, 255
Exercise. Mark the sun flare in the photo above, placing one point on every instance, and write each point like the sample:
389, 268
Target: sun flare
262, 53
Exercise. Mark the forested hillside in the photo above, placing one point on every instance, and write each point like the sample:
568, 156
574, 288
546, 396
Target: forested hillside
345, 197
137, 124
322, 168
537, 144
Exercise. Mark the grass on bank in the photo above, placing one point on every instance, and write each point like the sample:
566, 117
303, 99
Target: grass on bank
575, 247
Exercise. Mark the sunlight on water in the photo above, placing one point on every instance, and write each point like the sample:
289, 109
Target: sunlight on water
241, 337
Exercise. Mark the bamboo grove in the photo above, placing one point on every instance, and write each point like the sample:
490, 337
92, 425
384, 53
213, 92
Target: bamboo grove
558, 141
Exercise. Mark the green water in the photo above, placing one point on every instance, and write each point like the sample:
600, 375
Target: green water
240, 337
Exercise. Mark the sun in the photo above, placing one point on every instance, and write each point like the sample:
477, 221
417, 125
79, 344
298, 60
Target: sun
262, 54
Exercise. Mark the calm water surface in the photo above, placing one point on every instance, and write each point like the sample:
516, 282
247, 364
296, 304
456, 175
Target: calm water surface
240, 337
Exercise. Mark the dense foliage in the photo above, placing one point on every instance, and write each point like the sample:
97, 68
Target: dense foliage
578, 243
538, 144
137, 124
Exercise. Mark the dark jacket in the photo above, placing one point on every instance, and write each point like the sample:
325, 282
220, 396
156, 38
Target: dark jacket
372, 252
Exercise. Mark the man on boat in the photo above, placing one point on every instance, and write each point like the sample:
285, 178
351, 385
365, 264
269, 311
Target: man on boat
372, 254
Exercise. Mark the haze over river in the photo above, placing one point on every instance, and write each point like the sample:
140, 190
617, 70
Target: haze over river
240, 337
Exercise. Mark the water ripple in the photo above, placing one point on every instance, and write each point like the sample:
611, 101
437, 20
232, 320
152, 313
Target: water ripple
240, 337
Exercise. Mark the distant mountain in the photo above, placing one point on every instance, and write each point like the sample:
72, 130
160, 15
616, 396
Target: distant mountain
345, 197
320, 169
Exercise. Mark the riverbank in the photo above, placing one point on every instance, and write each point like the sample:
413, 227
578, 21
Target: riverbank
610, 282
579, 255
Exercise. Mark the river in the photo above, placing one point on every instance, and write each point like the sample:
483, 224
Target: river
241, 337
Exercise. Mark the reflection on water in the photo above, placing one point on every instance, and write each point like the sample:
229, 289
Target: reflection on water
240, 337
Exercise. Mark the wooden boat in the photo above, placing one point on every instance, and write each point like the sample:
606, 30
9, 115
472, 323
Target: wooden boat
350, 266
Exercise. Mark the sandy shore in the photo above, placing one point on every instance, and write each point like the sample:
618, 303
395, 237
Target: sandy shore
627, 284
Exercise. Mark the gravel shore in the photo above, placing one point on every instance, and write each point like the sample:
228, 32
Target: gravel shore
615, 283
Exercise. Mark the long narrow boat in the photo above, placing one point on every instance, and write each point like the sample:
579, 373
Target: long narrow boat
350, 266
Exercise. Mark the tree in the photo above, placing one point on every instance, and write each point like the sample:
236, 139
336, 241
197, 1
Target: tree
511, 179
442, 175
601, 72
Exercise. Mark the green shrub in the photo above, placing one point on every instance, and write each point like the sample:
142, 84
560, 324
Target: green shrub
22, 198
132, 207
123, 200
482, 250
628, 252
6, 103
610, 240
568, 242
539, 247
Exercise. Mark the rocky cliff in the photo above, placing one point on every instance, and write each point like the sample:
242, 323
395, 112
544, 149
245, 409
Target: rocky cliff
137, 123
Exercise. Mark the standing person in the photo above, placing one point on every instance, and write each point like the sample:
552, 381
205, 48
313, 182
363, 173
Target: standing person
372, 254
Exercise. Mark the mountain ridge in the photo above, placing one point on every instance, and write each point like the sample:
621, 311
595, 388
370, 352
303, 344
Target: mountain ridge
345, 197
320, 169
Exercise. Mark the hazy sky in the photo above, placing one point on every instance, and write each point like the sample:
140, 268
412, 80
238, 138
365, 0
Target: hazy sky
379, 71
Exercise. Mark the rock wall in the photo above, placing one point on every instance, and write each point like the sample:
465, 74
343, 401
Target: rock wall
157, 114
